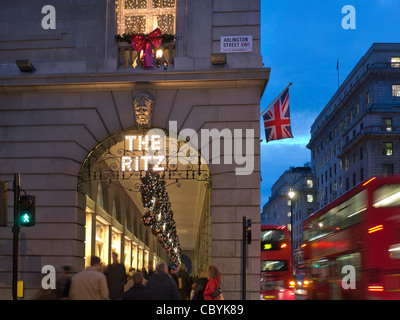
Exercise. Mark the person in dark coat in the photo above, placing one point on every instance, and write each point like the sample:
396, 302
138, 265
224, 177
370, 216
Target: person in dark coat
200, 285
172, 273
116, 278
184, 283
138, 291
161, 285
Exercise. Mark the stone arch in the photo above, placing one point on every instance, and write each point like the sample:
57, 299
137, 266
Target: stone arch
118, 189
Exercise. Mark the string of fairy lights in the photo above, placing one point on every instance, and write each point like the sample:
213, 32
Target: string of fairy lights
158, 214
143, 16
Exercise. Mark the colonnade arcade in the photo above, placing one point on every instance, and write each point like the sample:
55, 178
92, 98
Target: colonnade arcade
113, 182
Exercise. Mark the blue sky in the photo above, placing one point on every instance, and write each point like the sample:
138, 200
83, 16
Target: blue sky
301, 42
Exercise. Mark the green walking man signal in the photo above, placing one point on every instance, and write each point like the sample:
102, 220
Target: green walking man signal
27, 208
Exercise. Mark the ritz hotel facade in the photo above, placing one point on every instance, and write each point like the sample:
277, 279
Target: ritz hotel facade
63, 126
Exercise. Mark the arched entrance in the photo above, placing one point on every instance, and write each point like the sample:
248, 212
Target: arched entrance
147, 197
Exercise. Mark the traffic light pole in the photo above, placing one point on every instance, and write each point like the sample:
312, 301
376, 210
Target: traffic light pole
15, 230
244, 256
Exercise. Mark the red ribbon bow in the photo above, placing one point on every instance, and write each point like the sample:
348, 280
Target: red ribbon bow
146, 44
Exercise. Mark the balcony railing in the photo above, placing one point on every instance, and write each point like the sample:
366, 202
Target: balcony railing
163, 56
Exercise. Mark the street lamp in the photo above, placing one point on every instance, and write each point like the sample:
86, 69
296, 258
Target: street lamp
291, 195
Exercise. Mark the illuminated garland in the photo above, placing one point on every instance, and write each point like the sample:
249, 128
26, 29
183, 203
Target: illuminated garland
126, 37
158, 214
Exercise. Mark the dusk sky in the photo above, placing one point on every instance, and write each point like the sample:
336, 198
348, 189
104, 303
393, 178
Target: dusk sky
301, 42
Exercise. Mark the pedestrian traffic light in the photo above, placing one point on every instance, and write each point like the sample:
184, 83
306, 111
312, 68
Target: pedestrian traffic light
26, 216
248, 231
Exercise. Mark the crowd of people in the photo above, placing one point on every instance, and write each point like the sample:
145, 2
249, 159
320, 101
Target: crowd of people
113, 283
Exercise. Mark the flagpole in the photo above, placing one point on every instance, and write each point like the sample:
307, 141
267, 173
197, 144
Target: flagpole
266, 109
337, 67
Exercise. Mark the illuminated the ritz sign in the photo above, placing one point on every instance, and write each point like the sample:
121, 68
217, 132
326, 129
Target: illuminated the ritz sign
148, 145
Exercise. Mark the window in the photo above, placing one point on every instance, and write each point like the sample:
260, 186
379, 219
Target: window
346, 163
387, 170
387, 124
310, 184
272, 239
343, 215
357, 108
143, 16
396, 90
395, 62
310, 198
387, 196
367, 98
273, 265
388, 148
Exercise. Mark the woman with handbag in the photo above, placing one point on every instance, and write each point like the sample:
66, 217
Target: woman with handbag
213, 288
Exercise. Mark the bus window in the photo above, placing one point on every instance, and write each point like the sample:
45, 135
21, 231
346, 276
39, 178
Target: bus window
387, 196
274, 239
274, 265
394, 251
339, 217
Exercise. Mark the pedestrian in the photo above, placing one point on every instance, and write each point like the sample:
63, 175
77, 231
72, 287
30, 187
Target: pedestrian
145, 274
173, 275
200, 285
183, 281
116, 278
213, 289
64, 283
90, 284
151, 271
138, 290
161, 284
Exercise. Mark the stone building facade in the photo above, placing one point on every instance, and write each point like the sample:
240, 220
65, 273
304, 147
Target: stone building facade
356, 136
65, 126
280, 208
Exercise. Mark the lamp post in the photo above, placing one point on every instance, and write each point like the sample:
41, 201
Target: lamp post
291, 195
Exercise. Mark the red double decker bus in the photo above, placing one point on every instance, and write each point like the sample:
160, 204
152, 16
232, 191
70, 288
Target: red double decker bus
359, 230
277, 281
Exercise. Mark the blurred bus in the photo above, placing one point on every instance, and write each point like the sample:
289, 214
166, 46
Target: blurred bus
360, 229
277, 282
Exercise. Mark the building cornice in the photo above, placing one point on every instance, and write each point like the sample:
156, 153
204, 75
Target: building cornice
118, 81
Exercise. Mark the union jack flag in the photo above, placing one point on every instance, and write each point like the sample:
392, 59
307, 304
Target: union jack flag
277, 119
